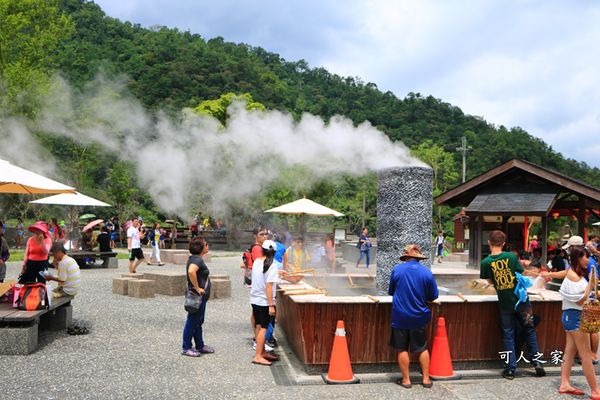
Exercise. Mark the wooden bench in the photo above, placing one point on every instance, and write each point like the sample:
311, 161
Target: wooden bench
109, 258
19, 329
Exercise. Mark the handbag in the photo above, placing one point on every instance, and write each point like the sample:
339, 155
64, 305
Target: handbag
590, 313
193, 300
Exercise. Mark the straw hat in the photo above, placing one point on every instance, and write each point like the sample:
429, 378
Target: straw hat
39, 226
412, 251
534, 237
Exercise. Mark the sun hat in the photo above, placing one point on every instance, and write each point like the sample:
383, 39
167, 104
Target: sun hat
412, 251
534, 237
269, 245
573, 241
39, 226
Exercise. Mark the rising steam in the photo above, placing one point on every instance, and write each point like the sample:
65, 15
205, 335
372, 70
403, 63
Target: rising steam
175, 158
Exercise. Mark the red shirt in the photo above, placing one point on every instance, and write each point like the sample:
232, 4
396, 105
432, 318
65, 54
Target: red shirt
256, 252
35, 251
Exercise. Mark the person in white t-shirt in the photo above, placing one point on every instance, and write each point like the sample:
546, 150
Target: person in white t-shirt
264, 278
68, 277
134, 245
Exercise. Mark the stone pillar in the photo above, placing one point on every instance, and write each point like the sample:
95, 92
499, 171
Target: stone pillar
404, 211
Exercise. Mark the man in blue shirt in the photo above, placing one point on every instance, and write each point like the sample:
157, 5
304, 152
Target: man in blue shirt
412, 286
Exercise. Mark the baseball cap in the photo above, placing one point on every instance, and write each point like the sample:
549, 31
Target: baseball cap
269, 245
573, 241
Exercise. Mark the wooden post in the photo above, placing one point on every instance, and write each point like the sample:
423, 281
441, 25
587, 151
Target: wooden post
479, 238
544, 238
581, 227
526, 234
473, 241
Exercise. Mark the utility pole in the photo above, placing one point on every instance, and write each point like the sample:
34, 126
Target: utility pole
463, 149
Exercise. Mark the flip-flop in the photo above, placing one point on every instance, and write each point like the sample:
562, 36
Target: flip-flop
574, 392
260, 363
428, 385
270, 357
404, 385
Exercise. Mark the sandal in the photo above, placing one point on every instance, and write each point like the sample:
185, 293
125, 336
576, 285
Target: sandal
261, 363
404, 385
573, 392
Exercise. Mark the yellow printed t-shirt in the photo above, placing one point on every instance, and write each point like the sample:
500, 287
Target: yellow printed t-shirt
501, 270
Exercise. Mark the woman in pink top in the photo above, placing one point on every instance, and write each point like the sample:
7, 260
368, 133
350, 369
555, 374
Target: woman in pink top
35, 259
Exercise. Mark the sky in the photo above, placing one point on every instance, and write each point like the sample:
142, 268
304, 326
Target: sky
531, 64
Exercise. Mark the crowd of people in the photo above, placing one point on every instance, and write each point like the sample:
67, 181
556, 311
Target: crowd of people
45, 242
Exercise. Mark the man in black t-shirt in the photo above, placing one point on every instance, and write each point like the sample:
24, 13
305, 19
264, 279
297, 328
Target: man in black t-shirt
103, 240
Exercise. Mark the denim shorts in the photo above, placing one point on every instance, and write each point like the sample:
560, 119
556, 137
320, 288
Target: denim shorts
570, 319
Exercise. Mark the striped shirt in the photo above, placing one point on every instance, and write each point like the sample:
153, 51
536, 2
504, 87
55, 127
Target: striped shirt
68, 272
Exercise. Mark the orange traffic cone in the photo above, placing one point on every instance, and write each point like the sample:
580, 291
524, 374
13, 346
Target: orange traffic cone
440, 367
340, 369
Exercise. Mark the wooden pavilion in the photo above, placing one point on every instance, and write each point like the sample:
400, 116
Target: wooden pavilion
513, 195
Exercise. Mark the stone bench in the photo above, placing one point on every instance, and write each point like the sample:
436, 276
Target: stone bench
132, 276
19, 330
141, 288
169, 283
109, 258
119, 285
220, 288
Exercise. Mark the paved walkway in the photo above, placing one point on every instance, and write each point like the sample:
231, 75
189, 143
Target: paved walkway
133, 352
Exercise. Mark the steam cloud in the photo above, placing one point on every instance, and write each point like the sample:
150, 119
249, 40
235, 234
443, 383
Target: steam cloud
176, 158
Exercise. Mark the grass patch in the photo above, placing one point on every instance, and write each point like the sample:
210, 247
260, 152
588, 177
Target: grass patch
16, 255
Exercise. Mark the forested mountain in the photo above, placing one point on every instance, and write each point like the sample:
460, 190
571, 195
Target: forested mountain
169, 69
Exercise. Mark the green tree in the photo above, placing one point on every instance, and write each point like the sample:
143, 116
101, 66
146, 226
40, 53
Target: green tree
121, 188
30, 33
218, 108
445, 174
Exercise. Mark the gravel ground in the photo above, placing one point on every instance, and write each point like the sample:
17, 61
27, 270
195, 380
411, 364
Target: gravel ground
133, 352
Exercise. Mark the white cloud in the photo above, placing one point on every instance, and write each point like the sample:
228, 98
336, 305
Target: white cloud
526, 63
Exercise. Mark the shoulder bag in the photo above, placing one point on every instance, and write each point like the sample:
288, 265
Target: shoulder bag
193, 300
590, 314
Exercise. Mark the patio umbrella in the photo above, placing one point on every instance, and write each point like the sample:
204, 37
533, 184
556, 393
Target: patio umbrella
18, 180
72, 199
305, 207
92, 224
75, 201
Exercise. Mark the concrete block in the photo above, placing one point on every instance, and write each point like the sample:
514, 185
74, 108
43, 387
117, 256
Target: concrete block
119, 285
141, 288
132, 276
111, 262
219, 276
58, 319
168, 255
180, 259
220, 289
18, 341
169, 283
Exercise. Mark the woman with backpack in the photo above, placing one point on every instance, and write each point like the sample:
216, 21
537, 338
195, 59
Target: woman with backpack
36, 254
198, 280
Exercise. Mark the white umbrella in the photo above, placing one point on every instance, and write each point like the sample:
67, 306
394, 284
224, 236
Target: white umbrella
305, 206
15, 179
71, 199
596, 223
